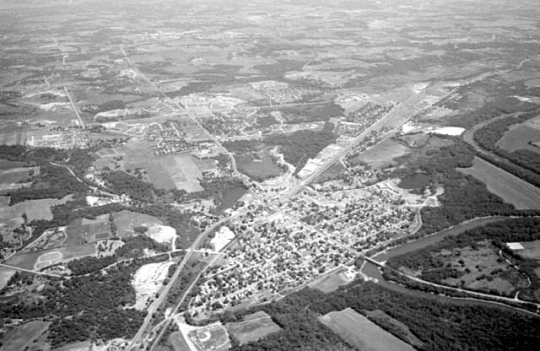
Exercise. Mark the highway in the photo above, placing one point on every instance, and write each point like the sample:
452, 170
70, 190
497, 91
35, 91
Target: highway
346, 149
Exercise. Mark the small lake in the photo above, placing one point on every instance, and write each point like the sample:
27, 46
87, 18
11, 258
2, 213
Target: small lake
415, 181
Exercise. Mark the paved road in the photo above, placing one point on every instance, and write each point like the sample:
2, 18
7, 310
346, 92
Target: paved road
349, 147
74, 108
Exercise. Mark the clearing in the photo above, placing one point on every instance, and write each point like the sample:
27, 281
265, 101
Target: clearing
362, 333
34, 209
21, 337
510, 188
333, 281
147, 281
531, 250
253, 327
382, 154
126, 220
162, 233
519, 137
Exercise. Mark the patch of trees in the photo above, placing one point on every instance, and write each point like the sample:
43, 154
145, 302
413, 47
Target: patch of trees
87, 265
464, 196
122, 183
435, 270
93, 306
242, 146
529, 161
441, 325
53, 182
505, 105
300, 146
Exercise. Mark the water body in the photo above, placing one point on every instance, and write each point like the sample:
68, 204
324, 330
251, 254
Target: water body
415, 181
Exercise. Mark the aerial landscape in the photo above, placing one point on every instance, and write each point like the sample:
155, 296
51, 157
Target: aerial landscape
247, 175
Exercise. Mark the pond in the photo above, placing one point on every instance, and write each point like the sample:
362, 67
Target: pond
415, 181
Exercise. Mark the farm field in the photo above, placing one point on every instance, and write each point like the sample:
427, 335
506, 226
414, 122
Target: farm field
504, 184
82, 231
13, 178
330, 282
125, 221
531, 251
362, 333
519, 137
382, 154
253, 327
21, 337
34, 209
380, 318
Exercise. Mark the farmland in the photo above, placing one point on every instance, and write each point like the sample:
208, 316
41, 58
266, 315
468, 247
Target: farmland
82, 231
34, 209
531, 250
20, 338
252, 328
504, 184
359, 331
520, 137
178, 342
5, 274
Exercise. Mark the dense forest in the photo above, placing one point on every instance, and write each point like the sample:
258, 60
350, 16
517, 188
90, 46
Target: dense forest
439, 324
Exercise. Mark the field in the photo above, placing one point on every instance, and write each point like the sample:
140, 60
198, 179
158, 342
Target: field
211, 337
483, 269
509, 187
259, 169
330, 282
41, 259
401, 329
531, 251
362, 333
34, 209
14, 178
21, 337
382, 154
83, 231
254, 327
5, 274
178, 342
519, 137
125, 221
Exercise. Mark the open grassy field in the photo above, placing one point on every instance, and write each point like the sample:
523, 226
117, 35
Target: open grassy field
34, 209
504, 184
5, 274
329, 283
362, 333
531, 251
382, 318
382, 154
125, 222
178, 342
519, 137
254, 327
211, 337
259, 169
21, 337
41, 259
